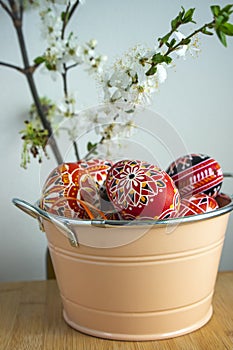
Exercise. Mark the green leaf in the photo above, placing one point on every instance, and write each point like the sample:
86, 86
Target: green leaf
50, 66
222, 37
227, 28
188, 17
167, 59
207, 32
158, 58
64, 16
181, 14
172, 43
90, 146
151, 71
39, 60
215, 10
176, 22
227, 9
185, 41
164, 39
219, 21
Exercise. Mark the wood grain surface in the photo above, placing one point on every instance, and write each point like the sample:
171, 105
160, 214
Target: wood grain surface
31, 318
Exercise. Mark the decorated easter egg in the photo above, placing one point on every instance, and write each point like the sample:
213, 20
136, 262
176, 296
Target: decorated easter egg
196, 173
140, 190
197, 204
97, 168
66, 190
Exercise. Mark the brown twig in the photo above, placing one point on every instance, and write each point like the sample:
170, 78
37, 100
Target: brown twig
73, 9
5, 7
17, 18
12, 66
66, 18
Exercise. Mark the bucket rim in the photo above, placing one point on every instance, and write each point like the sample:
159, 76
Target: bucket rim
69, 226
170, 221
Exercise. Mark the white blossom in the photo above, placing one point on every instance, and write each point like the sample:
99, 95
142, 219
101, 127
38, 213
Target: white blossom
161, 73
94, 63
72, 50
191, 48
92, 119
126, 81
67, 107
51, 24
54, 56
181, 51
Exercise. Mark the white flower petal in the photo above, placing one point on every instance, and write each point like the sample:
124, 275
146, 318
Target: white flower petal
179, 35
161, 73
116, 95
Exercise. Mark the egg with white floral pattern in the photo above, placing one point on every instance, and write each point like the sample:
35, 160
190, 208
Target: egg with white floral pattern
196, 173
197, 204
140, 190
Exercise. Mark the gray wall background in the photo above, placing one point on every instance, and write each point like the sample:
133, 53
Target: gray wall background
196, 100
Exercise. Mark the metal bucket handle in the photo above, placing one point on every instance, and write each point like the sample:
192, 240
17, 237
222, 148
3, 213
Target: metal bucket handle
35, 212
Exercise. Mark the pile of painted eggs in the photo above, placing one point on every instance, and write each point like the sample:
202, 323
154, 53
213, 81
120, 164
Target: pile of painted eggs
133, 189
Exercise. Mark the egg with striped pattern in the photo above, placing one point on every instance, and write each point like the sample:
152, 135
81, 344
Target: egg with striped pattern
196, 173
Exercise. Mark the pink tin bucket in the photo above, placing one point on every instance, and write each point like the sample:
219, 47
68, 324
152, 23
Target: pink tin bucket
139, 280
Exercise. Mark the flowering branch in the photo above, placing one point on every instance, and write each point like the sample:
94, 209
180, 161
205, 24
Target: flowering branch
17, 18
220, 24
135, 77
130, 81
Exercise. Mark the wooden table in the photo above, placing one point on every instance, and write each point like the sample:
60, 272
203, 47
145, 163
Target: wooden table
31, 318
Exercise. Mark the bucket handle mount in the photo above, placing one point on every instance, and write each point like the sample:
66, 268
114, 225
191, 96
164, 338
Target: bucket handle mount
37, 213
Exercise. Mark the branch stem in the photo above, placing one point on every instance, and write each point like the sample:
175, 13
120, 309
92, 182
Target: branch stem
76, 150
9, 65
66, 18
93, 149
28, 71
171, 49
4, 6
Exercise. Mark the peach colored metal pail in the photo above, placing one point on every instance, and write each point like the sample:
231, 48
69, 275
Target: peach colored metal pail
137, 280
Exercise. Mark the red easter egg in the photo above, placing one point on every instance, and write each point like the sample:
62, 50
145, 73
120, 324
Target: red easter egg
65, 186
197, 204
140, 190
97, 168
196, 173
